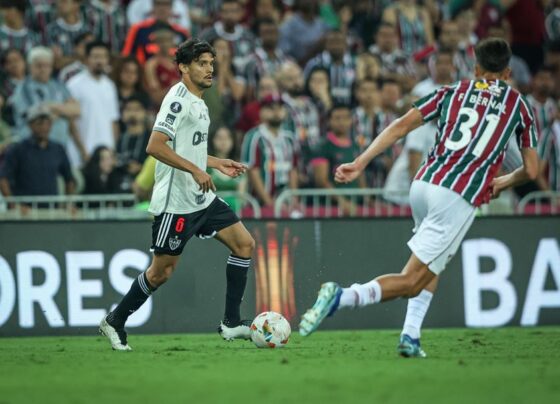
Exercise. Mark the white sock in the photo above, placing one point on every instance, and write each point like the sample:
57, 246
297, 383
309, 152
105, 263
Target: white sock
361, 295
415, 313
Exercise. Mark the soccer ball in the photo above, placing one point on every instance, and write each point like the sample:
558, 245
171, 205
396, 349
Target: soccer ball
270, 330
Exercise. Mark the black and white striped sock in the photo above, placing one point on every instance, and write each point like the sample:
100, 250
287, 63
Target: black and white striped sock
132, 301
236, 275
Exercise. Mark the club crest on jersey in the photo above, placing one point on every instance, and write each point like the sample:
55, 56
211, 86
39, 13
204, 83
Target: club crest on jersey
170, 119
175, 107
174, 243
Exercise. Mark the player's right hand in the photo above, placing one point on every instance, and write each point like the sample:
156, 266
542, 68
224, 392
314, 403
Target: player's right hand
348, 172
204, 181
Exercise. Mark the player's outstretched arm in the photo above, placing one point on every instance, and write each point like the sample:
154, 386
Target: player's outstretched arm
527, 172
158, 148
227, 166
398, 129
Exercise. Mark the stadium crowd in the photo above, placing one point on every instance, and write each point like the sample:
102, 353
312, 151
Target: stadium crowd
300, 86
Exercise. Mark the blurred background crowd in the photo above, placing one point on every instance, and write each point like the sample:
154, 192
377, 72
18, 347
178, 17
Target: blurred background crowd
300, 87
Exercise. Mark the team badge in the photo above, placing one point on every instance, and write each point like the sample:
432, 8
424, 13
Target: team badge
176, 107
174, 243
170, 119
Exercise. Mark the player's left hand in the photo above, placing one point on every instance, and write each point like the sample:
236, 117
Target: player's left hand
231, 168
497, 185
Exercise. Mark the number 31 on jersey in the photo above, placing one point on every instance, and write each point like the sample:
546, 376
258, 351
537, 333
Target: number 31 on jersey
466, 135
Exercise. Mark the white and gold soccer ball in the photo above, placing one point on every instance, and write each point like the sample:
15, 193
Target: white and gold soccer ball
270, 330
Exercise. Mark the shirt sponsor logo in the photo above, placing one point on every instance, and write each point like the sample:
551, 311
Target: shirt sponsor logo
199, 137
175, 107
170, 119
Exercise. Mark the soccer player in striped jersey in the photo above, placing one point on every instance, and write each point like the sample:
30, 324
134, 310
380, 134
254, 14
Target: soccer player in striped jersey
475, 120
183, 202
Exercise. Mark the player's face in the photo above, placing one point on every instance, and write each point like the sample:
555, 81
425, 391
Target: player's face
41, 70
340, 121
201, 71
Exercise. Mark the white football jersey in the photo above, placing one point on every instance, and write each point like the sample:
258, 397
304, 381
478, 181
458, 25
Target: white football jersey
183, 117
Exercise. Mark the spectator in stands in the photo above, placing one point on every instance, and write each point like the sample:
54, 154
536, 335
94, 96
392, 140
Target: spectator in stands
160, 71
107, 22
364, 114
78, 57
301, 34
31, 166
366, 18
240, 39
303, 116
40, 88
527, 21
62, 32
222, 146
466, 22
13, 73
540, 99
552, 58
101, 175
224, 97
390, 96
337, 148
270, 153
38, 15
13, 32
340, 64
5, 131
463, 53
419, 142
414, 25
552, 22
250, 115
267, 57
203, 13
265, 10
549, 153
140, 10
98, 98
344, 13
395, 64
318, 89
128, 79
131, 146
140, 39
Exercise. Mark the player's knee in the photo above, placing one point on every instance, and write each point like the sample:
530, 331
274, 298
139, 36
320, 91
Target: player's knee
245, 247
159, 277
411, 286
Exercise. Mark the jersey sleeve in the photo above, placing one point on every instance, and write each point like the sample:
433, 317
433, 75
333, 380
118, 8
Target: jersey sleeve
430, 106
526, 131
172, 109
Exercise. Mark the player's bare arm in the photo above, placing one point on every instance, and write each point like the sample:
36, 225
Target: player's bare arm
398, 129
228, 167
527, 172
158, 148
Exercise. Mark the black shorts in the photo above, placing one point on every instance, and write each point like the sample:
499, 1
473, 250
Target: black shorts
171, 231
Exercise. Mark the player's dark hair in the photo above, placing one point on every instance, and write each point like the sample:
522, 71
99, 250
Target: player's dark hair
20, 5
96, 44
338, 106
493, 54
189, 51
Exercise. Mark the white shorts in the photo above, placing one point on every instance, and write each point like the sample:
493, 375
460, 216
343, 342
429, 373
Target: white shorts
441, 220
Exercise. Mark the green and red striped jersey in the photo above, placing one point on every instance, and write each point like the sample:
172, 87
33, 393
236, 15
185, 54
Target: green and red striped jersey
475, 120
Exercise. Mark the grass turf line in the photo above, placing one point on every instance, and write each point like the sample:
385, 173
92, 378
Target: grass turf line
511, 365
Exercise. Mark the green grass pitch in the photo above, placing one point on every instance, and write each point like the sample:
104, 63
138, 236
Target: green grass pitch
508, 365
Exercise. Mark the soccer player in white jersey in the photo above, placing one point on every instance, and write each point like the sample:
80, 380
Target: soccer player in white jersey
475, 121
183, 202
